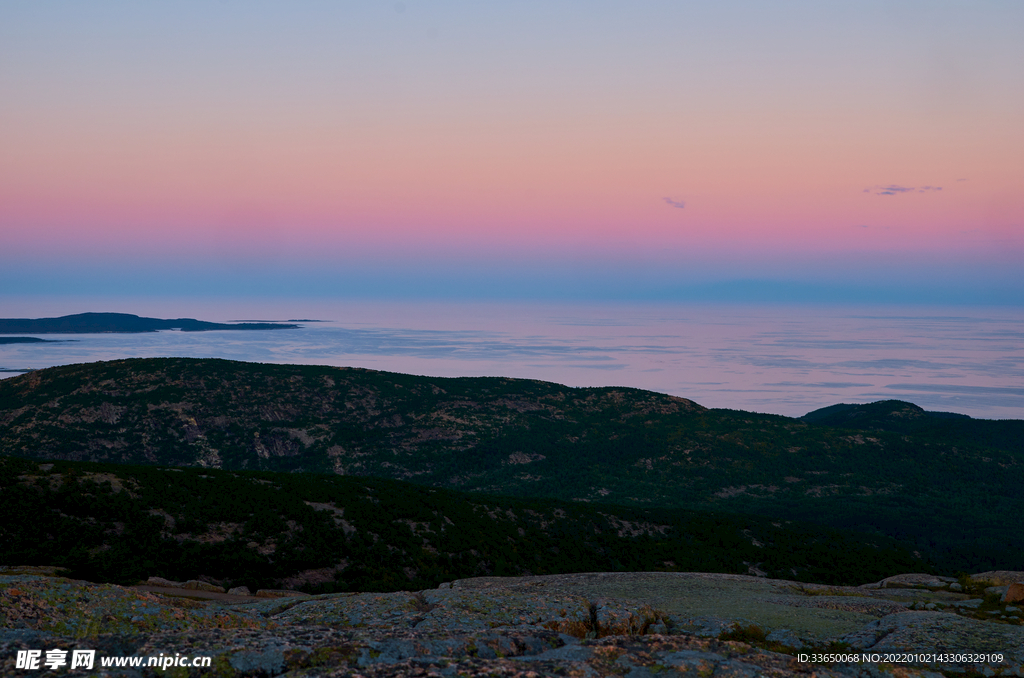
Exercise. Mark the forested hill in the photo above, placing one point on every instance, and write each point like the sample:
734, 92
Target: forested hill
522, 438
939, 427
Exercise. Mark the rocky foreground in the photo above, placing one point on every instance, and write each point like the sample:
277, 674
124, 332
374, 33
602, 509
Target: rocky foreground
605, 624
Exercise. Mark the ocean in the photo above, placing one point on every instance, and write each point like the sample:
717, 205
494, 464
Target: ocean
778, 359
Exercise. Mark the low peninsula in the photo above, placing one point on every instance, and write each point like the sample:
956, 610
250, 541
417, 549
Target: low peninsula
126, 323
25, 340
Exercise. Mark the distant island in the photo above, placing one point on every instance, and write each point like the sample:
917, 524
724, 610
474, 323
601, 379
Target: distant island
93, 323
290, 320
25, 340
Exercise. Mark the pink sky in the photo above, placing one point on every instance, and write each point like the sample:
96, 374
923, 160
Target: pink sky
729, 142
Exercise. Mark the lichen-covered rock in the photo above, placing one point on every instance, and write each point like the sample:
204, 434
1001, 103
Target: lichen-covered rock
655, 624
1000, 577
614, 618
941, 632
67, 607
279, 593
446, 610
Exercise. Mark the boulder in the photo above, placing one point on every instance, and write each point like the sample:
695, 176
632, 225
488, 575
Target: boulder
240, 591
1014, 594
916, 581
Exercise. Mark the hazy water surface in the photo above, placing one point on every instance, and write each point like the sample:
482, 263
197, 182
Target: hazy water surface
780, 359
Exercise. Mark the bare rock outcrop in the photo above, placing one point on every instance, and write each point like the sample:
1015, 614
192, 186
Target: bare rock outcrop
595, 624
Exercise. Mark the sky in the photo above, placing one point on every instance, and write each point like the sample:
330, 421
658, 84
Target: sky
663, 151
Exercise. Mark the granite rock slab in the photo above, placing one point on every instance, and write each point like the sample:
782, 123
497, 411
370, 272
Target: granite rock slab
597, 624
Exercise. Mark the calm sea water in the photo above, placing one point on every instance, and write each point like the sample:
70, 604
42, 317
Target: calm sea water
779, 359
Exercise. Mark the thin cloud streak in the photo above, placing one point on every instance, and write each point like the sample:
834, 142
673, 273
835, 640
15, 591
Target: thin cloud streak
894, 189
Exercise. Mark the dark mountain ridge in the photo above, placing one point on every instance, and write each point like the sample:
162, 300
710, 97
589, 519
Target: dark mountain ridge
886, 415
903, 417
953, 496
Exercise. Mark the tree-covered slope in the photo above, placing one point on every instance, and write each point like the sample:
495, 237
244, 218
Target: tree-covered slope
122, 523
953, 497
